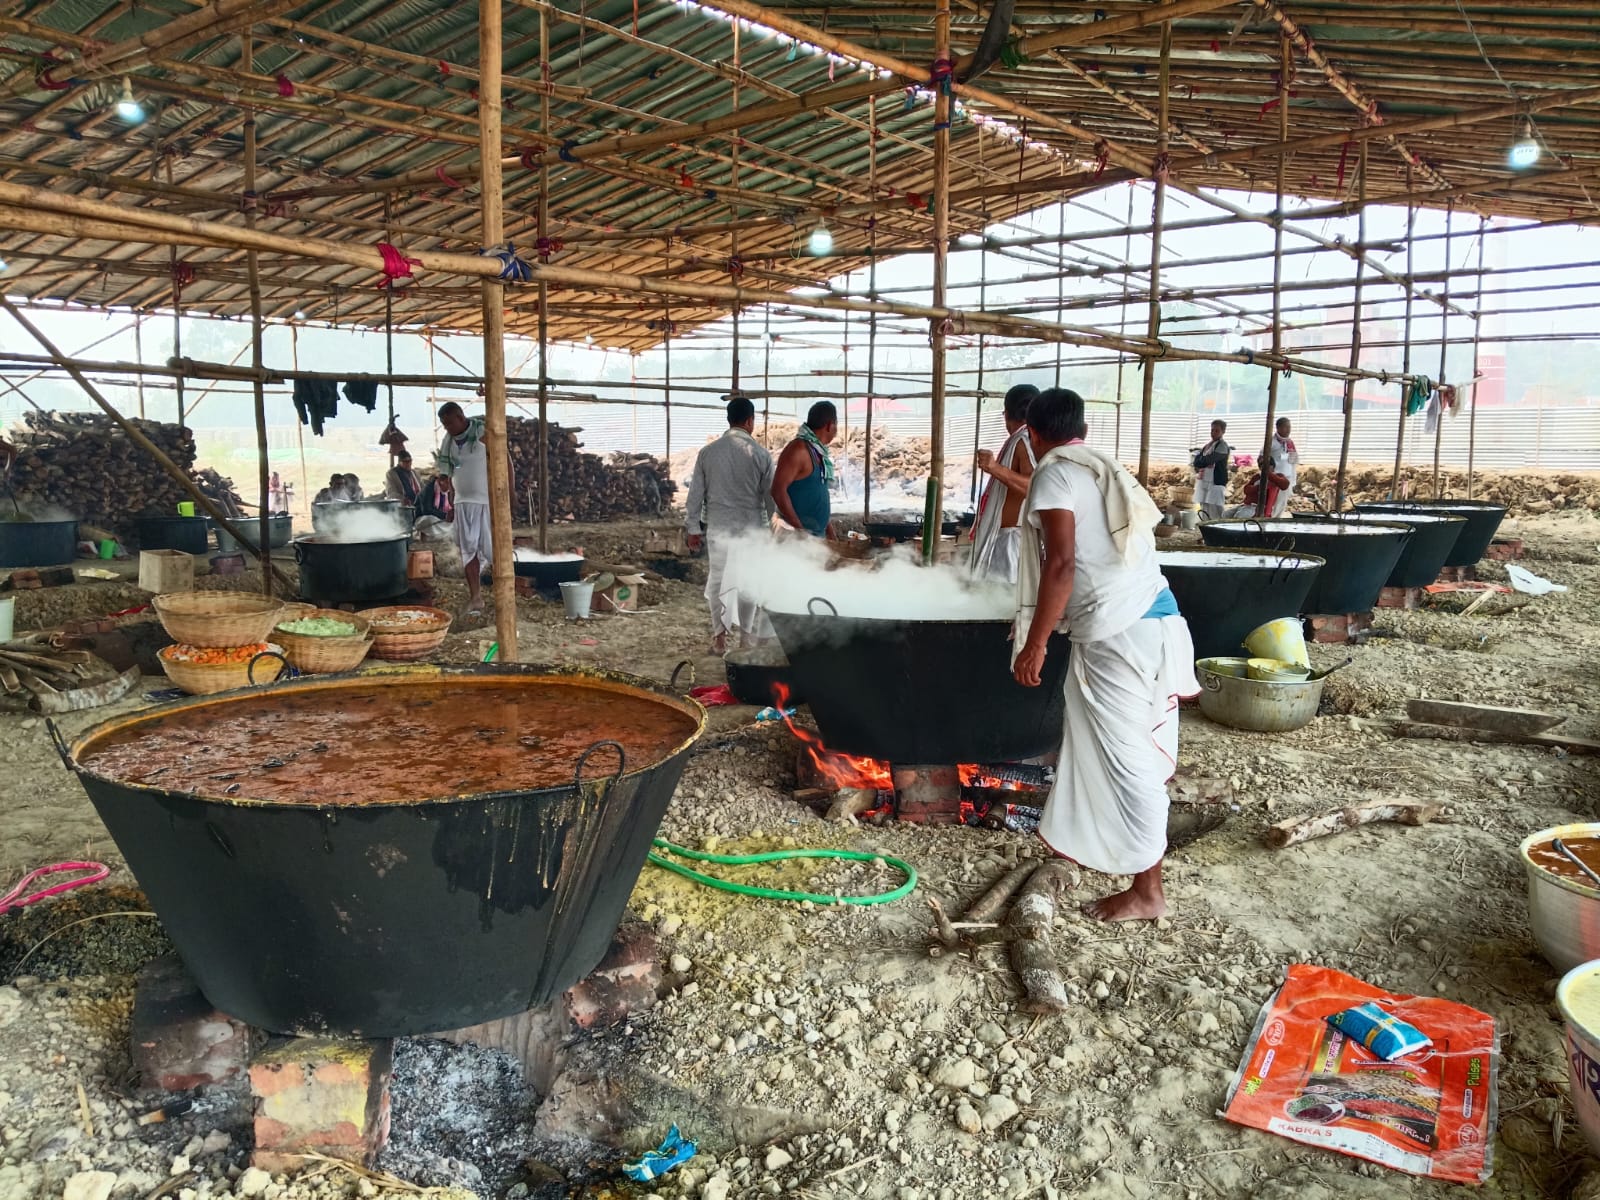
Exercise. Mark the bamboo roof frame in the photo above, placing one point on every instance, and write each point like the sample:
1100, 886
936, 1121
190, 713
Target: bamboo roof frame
658, 176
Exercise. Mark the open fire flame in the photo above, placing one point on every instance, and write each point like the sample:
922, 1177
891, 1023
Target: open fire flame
857, 771
840, 770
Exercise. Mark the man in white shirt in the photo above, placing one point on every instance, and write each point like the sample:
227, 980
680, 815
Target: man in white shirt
463, 463
1287, 460
995, 535
730, 493
1089, 557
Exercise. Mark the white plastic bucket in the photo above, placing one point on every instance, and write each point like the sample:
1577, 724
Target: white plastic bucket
8, 614
577, 597
1578, 998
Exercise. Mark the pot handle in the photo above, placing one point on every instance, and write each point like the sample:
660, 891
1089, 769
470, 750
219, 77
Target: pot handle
622, 762
61, 745
672, 682
1285, 544
283, 669
299, 553
1211, 683
811, 606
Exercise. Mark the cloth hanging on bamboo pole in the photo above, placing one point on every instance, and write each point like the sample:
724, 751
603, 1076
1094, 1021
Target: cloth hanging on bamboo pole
1431, 422
363, 392
1417, 398
316, 401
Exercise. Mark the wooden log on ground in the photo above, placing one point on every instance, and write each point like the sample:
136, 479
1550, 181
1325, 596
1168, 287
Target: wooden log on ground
987, 906
1303, 829
1458, 733
1482, 717
1032, 956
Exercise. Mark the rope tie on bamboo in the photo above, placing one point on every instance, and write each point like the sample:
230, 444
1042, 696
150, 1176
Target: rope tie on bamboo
182, 276
513, 268
396, 265
248, 201
454, 184
734, 267
546, 246
564, 152
941, 74
529, 158
1102, 158
1249, 357
1161, 166
285, 85
46, 63
1344, 157
1011, 54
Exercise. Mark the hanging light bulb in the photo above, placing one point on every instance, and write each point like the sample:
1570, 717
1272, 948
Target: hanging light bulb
1525, 151
588, 339
3, 264
821, 241
299, 314
128, 107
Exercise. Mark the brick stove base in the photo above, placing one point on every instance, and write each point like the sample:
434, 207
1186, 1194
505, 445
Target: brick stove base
1339, 628
1457, 575
1504, 549
1393, 597
927, 794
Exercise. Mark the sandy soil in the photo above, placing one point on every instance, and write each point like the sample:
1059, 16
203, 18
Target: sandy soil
834, 1038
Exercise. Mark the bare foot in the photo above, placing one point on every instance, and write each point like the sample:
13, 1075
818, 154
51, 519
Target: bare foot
1130, 905
719, 645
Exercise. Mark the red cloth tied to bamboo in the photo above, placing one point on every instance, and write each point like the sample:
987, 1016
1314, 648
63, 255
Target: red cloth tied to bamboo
395, 265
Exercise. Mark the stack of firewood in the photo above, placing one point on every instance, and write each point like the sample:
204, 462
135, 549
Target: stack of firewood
584, 487
84, 466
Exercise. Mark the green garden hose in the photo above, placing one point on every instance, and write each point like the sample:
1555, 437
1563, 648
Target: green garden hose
739, 860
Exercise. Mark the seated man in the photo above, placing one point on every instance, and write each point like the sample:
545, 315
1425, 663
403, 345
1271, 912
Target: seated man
1277, 484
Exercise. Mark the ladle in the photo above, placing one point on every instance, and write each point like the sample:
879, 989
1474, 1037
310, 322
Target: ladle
1563, 850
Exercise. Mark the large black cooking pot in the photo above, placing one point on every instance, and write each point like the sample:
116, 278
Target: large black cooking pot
548, 574
38, 543
904, 527
279, 532
325, 516
391, 919
921, 691
192, 535
335, 573
1483, 520
1433, 537
1357, 554
761, 676
1225, 594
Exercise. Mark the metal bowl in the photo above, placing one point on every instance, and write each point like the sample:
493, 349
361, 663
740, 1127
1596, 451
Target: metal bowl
1256, 704
1564, 914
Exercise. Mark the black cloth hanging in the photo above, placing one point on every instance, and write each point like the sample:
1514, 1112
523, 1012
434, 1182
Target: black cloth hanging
363, 392
316, 400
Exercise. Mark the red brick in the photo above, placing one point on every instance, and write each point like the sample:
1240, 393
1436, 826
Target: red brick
322, 1095
1339, 628
1395, 597
1457, 575
179, 1040
1504, 549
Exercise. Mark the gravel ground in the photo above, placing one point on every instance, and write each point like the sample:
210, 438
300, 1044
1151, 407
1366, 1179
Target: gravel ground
827, 1054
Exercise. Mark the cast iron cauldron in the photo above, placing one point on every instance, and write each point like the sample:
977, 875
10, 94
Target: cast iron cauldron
1357, 555
1483, 520
1433, 537
38, 543
904, 527
548, 574
392, 919
279, 532
324, 516
921, 691
192, 535
757, 677
335, 573
1224, 594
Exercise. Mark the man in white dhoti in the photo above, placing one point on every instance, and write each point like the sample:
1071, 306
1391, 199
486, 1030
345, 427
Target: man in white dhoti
730, 493
1211, 463
995, 536
1089, 556
1287, 461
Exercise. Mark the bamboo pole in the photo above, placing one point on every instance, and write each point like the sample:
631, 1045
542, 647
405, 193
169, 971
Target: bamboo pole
872, 318
1472, 400
1355, 344
1405, 351
545, 71
1444, 346
943, 111
138, 437
494, 331
1285, 65
1157, 215
253, 266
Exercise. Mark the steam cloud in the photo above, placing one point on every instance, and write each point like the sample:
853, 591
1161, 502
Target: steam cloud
782, 575
358, 523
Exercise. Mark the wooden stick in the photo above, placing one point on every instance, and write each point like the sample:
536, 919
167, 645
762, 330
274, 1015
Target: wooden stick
1302, 829
1444, 343
987, 906
1477, 332
1405, 351
253, 266
943, 931
943, 110
1157, 217
490, 17
138, 437
544, 297
1453, 733
1032, 956
1355, 340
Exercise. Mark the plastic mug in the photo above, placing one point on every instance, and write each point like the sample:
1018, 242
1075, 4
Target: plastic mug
108, 548
186, 508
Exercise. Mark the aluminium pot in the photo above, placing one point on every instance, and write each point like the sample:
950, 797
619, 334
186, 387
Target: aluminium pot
280, 531
359, 573
918, 691
324, 516
38, 543
1223, 595
1256, 704
1483, 519
1433, 539
192, 535
1563, 913
1357, 555
396, 919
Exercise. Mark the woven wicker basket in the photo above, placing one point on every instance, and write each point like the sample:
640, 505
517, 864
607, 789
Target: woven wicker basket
314, 655
220, 619
298, 610
202, 679
396, 640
